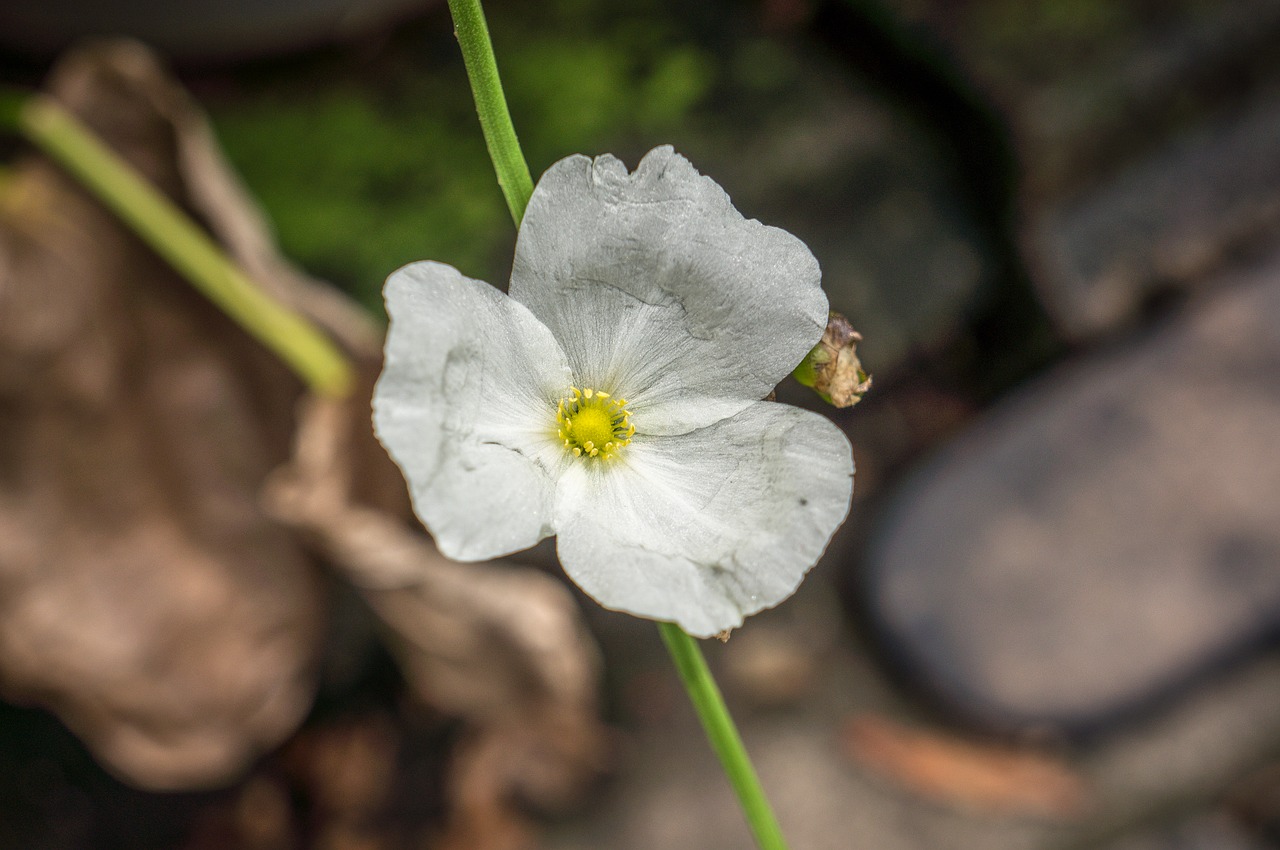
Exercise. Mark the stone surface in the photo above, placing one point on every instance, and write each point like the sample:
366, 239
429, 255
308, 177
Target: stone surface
1088, 86
669, 792
1163, 222
1104, 535
807, 143
1201, 833
1145, 136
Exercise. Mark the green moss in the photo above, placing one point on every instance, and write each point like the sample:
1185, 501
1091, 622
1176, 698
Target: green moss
362, 172
356, 188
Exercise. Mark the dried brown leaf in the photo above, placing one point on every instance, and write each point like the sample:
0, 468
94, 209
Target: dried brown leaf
498, 645
964, 774
144, 595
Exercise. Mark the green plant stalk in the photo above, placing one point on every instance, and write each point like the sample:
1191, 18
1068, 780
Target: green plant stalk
491, 104
182, 243
723, 735
517, 186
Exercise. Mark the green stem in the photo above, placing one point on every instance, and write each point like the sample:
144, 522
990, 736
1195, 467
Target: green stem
517, 186
491, 104
723, 735
182, 243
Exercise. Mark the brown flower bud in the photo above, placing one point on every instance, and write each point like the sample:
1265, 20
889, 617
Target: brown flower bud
832, 368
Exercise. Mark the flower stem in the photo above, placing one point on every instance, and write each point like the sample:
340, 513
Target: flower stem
486, 87
182, 243
723, 735
517, 186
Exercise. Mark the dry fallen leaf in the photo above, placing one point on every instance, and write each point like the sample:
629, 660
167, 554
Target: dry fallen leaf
988, 778
145, 597
501, 646
146, 594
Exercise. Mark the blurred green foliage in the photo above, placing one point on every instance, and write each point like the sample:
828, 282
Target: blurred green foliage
364, 164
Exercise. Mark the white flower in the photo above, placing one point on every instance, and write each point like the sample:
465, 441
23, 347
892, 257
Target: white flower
613, 398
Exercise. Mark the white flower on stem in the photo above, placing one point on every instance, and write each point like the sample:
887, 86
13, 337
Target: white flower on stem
613, 399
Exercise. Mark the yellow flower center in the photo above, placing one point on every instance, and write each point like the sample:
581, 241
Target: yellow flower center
593, 424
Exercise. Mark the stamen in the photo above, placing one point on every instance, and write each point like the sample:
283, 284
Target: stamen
593, 424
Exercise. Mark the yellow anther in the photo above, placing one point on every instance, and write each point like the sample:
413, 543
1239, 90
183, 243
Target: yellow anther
593, 424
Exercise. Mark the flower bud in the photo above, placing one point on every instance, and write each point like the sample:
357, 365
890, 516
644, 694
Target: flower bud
832, 368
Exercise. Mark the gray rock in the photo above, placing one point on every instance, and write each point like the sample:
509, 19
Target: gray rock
1086, 92
1142, 782
1200, 833
1145, 138
1163, 222
1107, 533
828, 158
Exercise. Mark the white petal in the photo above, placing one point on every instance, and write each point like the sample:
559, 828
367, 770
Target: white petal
706, 528
466, 407
660, 291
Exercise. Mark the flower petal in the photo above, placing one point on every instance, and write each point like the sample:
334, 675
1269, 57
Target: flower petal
708, 527
466, 407
660, 291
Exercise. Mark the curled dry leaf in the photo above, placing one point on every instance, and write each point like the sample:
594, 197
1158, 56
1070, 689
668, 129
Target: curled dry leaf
499, 645
963, 774
144, 595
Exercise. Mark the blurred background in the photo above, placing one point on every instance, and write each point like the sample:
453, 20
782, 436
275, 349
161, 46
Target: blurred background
1050, 621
